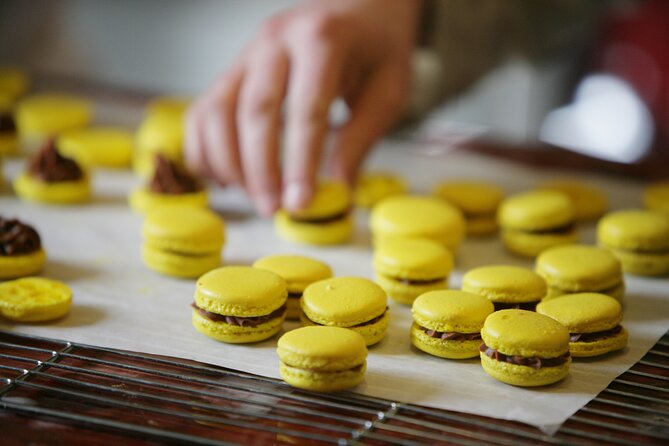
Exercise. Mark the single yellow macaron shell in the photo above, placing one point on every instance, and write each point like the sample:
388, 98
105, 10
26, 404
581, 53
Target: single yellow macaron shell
299, 272
656, 197
639, 238
589, 202
534, 221
478, 201
579, 268
142, 200
408, 267
182, 241
593, 321
350, 302
22, 265
239, 304
418, 216
524, 348
34, 189
506, 286
326, 221
448, 323
98, 146
45, 115
373, 187
323, 359
21, 249
172, 106
34, 299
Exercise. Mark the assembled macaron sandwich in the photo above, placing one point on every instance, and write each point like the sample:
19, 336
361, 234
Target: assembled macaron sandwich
506, 286
408, 267
448, 323
322, 359
326, 221
593, 321
350, 302
239, 304
524, 348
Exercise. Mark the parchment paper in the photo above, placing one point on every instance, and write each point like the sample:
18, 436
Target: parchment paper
119, 303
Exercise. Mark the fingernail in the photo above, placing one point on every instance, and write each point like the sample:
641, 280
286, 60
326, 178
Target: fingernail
294, 197
266, 204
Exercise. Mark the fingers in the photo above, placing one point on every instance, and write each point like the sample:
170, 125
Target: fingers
313, 85
381, 102
258, 125
211, 137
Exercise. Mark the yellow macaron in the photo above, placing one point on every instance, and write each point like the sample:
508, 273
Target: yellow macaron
590, 203
524, 348
182, 241
656, 197
350, 302
418, 216
534, 221
44, 116
326, 221
580, 268
593, 321
21, 252
98, 146
52, 178
173, 106
323, 359
34, 299
299, 272
170, 185
408, 267
639, 238
478, 201
506, 286
158, 133
373, 187
9, 137
239, 304
448, 323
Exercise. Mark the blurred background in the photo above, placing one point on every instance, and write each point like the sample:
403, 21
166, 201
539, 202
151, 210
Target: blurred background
178, 47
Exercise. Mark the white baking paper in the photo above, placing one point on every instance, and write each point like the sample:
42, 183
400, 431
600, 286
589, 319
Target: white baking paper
119, 303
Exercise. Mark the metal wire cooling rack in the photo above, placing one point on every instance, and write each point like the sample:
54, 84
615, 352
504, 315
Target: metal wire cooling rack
56, 392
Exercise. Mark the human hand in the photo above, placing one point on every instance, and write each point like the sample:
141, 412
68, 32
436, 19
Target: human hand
304, 59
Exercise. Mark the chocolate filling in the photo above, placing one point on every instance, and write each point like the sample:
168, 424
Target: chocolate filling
452, 335
564, 229
418, 282
7, 123
171, 179
535, 362
17, 238
590, 337
369, 322
294, 295
252, 321
357, 368
50, 166
529, 306
320, 220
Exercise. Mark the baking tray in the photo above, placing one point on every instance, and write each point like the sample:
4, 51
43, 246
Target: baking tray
59, 392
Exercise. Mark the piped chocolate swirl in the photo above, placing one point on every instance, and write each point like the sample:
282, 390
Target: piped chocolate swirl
171, 179
17, 238
535, 362
7, 123
50, 166
252, 321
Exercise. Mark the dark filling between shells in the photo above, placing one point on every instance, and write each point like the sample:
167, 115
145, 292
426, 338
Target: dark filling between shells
320, 220
252, 321
591, 337
535, 362
452, 335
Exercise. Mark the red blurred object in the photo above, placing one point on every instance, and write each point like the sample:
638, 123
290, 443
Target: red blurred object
634, 45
